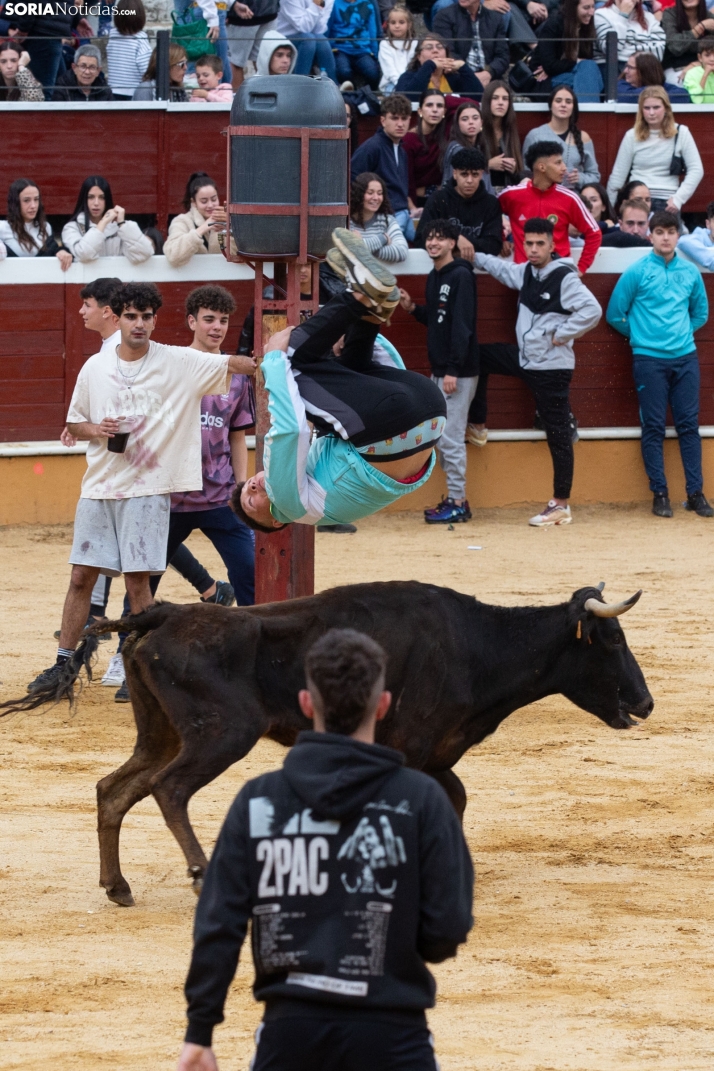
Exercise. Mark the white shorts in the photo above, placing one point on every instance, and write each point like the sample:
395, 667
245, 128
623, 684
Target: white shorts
244, 41
124, 535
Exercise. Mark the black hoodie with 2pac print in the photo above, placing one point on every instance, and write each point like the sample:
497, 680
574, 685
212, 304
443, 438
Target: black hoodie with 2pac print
352, 870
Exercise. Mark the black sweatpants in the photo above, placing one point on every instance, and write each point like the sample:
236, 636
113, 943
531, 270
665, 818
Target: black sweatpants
307, 1043
370, 401
551, 390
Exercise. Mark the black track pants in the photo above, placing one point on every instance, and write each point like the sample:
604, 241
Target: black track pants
551, 390
370, 401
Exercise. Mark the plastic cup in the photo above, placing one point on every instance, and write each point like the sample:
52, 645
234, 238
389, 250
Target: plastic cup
118, 442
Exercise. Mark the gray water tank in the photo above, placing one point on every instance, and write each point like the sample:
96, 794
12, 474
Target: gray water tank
266, 170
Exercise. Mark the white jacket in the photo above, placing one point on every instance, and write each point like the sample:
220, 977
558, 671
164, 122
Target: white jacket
631, 37
394, 58
649, 162
272, 40
302, 16
7, 236
116, 240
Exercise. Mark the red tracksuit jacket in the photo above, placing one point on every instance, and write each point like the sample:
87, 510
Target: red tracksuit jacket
562, 207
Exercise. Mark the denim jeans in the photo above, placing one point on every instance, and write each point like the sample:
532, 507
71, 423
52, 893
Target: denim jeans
45, 61
221, 44
346, 65
406, 224
585, 81
313, 50
662, 380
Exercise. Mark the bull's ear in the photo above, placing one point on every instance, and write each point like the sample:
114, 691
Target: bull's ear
584, 627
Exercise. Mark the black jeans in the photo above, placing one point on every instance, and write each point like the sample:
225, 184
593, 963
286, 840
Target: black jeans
551, 390
369, 401
308, 1043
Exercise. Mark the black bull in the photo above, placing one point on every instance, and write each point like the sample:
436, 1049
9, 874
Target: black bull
207, 682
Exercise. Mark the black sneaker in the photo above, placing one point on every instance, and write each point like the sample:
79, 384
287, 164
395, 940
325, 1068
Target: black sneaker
661, 506
339, 528
122, 694
698, 504
224, 595
47, 678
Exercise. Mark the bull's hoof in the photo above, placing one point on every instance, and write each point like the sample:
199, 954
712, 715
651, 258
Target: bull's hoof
121, 895
196, 873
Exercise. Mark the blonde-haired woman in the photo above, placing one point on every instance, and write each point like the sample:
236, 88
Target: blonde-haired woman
658, 152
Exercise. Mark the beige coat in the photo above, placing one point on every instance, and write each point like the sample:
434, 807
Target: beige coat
184, 241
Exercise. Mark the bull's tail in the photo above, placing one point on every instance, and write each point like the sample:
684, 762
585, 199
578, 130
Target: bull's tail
146, 621
62, 687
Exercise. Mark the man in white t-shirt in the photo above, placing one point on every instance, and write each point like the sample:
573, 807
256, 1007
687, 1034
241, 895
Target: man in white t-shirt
154, 393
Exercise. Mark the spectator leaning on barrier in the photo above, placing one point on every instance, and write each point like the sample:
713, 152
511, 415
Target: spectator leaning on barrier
554, 308
99, 228
209, 72
643, 69
466, 133
354, 28
276, 54
384, 154
636, 28
683, 25
85, 81
476, 36
658, 152
16, 81
371, 216
699, 81
699, 245
433, 68
542, 197
128, 49
658, 303
305, 23
246, 26
397, 48
26, 232
450, 318
196, 230
633, 228
465, 202
578, 148
500, 140
178, 64
41, 29
564, 54
425, 146
594, 197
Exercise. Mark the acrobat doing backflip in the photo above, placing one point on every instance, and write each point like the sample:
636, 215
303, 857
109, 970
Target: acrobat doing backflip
377, 424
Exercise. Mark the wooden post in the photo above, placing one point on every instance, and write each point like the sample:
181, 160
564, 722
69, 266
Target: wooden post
284, 562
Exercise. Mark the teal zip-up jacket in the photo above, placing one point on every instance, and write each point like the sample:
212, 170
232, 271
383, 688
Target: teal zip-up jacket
327, 481
659, 306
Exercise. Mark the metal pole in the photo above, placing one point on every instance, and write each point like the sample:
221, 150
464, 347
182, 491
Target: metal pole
163, 40
611, 65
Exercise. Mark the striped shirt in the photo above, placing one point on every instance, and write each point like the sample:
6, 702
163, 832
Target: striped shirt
127, 59
375, 234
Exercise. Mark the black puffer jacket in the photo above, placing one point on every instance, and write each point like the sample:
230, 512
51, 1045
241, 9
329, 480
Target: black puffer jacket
68, 88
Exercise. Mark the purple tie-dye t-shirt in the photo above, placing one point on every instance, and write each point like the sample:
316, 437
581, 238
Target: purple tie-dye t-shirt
220, 415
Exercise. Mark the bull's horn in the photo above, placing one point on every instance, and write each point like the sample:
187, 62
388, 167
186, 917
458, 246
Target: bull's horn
601, 586
611, 609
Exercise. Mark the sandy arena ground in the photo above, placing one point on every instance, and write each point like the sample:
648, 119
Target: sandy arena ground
593, 944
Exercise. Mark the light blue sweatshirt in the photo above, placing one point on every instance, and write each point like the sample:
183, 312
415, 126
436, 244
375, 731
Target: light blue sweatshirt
326, 482
698, 246
659, 306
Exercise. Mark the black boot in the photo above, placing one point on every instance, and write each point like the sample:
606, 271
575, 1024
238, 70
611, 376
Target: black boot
661, 506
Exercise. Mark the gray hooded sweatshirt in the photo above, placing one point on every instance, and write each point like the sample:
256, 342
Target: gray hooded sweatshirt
553, 304
272, 40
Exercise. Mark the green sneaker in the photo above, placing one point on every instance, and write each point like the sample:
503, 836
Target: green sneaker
363, 271
337, 262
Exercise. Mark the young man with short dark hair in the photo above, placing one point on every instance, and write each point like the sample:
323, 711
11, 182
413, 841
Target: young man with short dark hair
383, 153
149, 396
542, 197
468, 206
449, 315
554, 308
354, 874
658, 303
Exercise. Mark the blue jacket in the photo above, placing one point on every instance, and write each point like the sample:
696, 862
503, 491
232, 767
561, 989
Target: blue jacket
354, 27
659, 306
627, 94
327, 481
699, 247
377, 154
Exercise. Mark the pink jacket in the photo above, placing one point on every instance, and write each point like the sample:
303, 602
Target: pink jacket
222, 92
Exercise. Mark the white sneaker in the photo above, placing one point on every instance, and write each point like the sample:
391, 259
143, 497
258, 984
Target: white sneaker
476, 436
552, 514
115, 672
